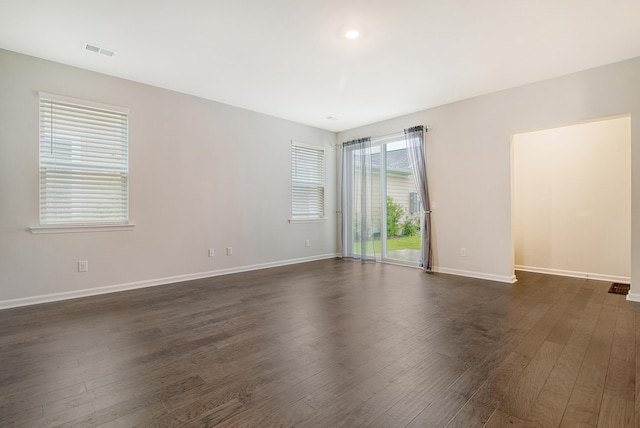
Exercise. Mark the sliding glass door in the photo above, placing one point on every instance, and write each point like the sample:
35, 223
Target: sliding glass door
401, 205
360, 196
381, 203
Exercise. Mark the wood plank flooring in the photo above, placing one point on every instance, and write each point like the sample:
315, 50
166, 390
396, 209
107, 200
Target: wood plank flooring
327, 344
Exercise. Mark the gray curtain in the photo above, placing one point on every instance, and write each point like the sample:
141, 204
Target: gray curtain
415, 147
357, 190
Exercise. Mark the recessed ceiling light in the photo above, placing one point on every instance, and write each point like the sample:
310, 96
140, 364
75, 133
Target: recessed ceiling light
352, 34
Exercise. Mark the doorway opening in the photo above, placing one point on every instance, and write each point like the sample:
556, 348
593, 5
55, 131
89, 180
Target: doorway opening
571, 200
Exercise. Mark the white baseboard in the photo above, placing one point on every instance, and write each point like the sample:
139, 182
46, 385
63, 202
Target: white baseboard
480, 275
574, 274
54, 297
633, 297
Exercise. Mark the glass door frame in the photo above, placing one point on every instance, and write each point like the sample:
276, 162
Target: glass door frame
384, 143
381, 145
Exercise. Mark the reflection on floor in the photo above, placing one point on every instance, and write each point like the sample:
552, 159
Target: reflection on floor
404, 255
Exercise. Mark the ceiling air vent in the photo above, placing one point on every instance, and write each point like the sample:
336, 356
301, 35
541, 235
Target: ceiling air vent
91, 48
97, 49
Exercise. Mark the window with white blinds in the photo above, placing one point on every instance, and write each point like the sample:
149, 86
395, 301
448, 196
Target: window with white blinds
84, 162
307, 178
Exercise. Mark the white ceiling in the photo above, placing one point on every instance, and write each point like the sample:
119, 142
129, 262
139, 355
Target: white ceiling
289, 58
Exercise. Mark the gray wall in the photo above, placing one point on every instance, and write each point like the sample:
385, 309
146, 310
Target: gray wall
207, 175
469, 160
202, 175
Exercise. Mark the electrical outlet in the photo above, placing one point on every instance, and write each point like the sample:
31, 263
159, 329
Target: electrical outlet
307, 243
463, 252
83, 266
229, 251
211, 252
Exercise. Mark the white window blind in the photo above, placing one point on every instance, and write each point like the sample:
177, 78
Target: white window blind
84, 166
307, 177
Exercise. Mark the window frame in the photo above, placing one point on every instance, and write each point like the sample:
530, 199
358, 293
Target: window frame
301, 218
85, 225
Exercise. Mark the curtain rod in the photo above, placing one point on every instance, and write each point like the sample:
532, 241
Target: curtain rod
388, 136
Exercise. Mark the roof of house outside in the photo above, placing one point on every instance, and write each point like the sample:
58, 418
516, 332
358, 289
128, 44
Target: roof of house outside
396, 159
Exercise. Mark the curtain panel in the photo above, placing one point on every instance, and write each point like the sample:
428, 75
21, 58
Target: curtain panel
357, 194
415, 147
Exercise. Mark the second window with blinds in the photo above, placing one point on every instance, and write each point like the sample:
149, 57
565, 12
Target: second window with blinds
307, 182
84, 167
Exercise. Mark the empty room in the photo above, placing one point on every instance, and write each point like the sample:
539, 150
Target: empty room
319, 213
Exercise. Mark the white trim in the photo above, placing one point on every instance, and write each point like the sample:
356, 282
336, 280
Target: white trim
82, 102
46, 298
480, 275
81, 228
632, 297
574, 274
307, 220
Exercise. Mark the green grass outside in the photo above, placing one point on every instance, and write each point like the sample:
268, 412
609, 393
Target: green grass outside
400, 243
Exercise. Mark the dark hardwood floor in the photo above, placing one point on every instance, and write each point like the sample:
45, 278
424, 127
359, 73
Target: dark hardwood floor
326, 344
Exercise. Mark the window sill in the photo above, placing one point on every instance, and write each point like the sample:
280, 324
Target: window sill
307, 220
80, 228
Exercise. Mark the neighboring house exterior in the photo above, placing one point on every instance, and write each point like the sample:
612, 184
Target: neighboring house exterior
400, 184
